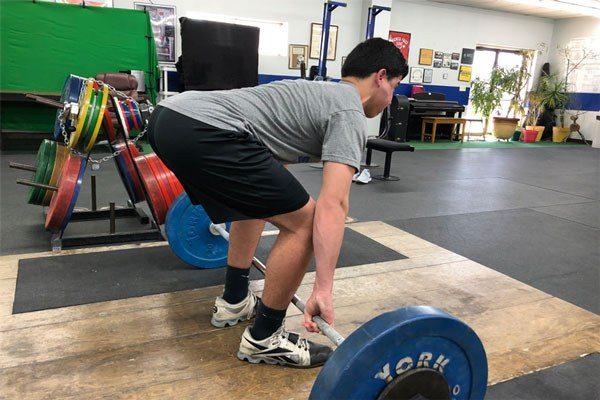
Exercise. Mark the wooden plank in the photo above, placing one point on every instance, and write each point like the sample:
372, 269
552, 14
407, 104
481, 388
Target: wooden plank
210, 356
106, 309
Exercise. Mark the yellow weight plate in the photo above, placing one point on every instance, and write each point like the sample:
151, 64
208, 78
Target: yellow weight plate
84, 104
99, 121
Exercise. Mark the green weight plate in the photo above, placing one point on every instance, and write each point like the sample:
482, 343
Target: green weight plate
40, 164
62, 152
49, 169
90, 120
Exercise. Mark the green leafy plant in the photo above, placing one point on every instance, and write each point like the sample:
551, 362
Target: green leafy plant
487, 94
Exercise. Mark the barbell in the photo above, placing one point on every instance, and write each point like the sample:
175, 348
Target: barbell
414, 352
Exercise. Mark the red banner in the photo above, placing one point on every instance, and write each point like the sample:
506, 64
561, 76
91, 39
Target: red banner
402, 41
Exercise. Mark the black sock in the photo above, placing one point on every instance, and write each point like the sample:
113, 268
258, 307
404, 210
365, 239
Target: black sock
267, 322
236, 284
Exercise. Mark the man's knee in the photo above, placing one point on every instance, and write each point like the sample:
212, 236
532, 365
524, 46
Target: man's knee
299, 221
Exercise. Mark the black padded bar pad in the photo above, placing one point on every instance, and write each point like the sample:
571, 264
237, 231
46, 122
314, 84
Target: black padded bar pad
218, 56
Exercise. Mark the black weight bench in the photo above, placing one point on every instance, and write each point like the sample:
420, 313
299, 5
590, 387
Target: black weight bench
388, 147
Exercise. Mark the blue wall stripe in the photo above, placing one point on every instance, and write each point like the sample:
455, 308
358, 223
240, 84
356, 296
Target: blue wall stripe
584, 101
452, 93
578, 101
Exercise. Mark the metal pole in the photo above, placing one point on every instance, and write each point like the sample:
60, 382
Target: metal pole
328, 8
327, 329
373, 12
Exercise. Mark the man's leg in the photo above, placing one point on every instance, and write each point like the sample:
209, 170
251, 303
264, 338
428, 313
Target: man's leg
286, 266
267, 340
243, 240
289, 256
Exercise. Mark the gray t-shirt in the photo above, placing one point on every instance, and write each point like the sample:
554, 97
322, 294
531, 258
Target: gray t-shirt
297, 120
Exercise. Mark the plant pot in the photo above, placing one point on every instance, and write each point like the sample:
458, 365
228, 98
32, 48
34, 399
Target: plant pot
560, 135
539, 129
504, 127
529, 135
516, 136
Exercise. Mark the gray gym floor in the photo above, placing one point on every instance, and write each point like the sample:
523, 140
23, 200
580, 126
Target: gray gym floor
532, 214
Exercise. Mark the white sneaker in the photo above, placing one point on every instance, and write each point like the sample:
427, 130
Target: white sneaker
283, 348
225, 314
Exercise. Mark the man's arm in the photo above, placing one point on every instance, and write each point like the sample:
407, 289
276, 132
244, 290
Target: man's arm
328, 232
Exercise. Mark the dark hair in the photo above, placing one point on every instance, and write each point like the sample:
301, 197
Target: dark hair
371, 56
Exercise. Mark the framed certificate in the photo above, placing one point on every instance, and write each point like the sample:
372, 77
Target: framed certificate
416, 75
425, 56
296, 54
315, 40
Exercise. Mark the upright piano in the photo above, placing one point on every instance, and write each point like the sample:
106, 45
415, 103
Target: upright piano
404, 115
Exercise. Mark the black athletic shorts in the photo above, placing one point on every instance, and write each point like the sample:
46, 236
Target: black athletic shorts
231, 174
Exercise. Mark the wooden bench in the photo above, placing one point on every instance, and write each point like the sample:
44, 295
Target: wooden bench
435, 121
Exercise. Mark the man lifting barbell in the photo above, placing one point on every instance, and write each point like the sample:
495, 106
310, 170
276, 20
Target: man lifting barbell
228, 149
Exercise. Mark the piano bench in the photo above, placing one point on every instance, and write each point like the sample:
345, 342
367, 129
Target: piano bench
388, 147
435, 121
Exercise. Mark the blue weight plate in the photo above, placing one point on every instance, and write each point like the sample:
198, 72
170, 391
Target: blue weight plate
189, 237
70, 94
126, 177
137, 114
75, 195
400, 341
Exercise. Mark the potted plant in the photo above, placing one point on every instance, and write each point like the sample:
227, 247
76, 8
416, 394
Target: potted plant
549, 96
486, 97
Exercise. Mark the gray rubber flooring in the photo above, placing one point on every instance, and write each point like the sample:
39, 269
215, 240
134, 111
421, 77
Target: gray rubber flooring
529, 213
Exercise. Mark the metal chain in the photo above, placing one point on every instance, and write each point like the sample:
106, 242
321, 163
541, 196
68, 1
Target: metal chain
115, 153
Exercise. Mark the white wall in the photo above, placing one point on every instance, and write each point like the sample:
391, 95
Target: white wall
298, 14
449, 28
564, 31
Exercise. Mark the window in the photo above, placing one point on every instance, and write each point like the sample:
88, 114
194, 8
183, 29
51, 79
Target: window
582, 60
273, 40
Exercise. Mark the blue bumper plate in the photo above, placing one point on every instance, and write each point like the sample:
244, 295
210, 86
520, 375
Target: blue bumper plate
394, 343
187, 228
69, 94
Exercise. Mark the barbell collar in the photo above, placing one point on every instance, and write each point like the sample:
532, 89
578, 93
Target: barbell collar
24, 167
327, 329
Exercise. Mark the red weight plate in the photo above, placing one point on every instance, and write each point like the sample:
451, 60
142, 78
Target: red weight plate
131, 155
61, 200
109, 127
154, 196
176, 187
162, 179
130, 107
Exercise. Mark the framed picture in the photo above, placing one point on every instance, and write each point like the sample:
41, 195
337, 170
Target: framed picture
416, 75
427, 75
425, 56
454, 65
467, 56
437, 63
402, 41
315, 40
446, 60
438, 55
464, 74
296, 54
164, 21
456, 56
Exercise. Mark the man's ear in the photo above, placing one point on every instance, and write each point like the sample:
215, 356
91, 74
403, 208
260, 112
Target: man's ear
381, 75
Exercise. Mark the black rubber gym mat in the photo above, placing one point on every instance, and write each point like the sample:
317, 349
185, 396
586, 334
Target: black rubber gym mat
53, 282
